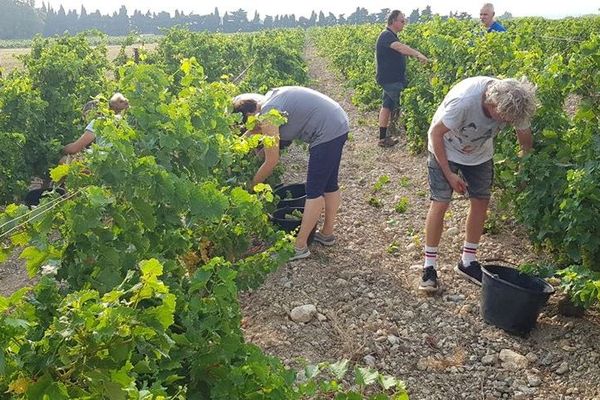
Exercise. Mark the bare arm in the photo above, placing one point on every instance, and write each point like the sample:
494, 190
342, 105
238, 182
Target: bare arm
80, 144
437, 140
271, 154
409, 51
525, 139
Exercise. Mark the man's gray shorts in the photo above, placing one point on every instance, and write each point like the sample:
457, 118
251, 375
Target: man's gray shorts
391, 95
479, 179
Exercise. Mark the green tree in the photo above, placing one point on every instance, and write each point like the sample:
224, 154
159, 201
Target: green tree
19, 19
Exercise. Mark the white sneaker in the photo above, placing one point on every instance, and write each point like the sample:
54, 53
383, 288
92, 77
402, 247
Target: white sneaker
300, 254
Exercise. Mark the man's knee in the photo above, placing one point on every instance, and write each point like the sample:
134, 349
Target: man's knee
479, 204
439, 207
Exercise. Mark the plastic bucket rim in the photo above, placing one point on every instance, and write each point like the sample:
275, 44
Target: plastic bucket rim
282, 187
286, 208
491, 276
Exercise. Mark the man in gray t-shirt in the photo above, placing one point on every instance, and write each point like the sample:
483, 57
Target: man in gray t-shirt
319, 121
461, 147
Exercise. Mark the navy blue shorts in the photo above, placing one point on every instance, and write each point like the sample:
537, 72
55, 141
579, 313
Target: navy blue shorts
323, 167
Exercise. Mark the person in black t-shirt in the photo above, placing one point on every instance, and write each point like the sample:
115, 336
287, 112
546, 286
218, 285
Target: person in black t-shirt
391, 71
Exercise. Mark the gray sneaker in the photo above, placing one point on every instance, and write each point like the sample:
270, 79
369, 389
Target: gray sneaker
429, 280
300, 254
325, 240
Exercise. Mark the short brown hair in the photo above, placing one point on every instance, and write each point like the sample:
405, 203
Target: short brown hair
245, 106
393, 16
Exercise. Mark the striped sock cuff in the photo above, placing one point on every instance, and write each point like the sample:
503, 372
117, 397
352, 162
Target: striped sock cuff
471, 247
431, 251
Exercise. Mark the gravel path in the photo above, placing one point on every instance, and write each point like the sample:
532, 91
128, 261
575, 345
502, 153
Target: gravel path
365, 291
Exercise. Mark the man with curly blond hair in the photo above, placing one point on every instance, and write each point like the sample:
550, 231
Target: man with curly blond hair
461, 147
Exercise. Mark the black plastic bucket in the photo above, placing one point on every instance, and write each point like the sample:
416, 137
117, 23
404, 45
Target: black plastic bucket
289, 225
512, 300
33, 197
291, 195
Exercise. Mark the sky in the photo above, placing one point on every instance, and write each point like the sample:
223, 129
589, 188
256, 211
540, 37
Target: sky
518, 8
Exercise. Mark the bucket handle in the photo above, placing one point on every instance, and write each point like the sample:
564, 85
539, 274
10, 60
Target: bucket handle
500, 259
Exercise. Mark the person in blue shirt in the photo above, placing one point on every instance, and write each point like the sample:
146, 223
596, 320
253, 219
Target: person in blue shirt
486, 15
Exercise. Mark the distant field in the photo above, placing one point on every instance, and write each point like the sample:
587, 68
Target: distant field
92, 38
9, 61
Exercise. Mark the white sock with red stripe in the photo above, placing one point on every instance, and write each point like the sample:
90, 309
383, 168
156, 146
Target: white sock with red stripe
469, 253
430, 256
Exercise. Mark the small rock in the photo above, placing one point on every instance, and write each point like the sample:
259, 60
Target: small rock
422, 364
547, 360
454, 298
411, 247
465, 310
369, 360
489, 359
321, 317
562, 369
453, 231
569, 325
512, 360
393, 340
533, 380
531, 357
303, 313
524, 392
341, 282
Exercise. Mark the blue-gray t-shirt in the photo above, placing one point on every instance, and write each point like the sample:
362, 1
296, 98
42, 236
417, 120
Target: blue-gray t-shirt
496, 27
311, 116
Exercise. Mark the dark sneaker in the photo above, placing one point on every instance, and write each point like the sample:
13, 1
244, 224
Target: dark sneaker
326, 240
472, 273
429, 280
300, 254
388, 142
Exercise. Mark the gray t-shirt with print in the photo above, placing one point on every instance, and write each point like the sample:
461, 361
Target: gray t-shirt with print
470, 140
311, 116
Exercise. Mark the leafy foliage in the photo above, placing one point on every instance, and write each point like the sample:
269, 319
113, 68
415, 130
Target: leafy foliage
260, 61
140, 265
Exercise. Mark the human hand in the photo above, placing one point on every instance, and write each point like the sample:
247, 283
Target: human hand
422, 59
457, 183
523, 152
